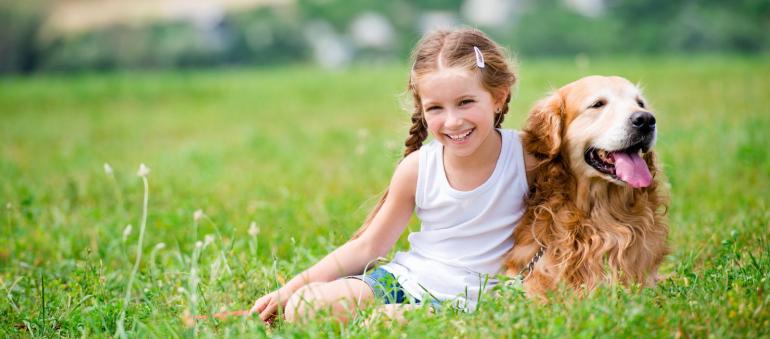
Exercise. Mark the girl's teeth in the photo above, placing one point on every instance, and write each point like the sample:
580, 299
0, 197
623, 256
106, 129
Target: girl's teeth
461, 136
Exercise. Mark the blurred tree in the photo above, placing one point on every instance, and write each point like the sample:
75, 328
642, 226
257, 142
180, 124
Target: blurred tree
549, 27
695, 25
19, 25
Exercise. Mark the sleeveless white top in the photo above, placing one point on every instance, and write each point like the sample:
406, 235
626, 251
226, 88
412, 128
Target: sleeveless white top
464, 234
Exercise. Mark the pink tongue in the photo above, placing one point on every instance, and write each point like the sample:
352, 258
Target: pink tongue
632, 169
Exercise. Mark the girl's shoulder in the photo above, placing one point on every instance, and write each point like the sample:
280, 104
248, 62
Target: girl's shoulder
405, 176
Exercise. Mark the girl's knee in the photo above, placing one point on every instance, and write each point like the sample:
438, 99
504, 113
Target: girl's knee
297, 307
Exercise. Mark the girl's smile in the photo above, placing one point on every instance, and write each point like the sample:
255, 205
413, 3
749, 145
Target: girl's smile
460, 138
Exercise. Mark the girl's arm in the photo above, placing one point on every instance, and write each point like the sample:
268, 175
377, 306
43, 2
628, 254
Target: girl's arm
352, 257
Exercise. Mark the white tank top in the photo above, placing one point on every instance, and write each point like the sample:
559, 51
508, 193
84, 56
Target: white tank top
464, 234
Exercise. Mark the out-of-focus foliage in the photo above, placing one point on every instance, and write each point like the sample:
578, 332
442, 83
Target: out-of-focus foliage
269, 35
19, 24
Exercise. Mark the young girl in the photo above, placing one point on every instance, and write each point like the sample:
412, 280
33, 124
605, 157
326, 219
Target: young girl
466, 186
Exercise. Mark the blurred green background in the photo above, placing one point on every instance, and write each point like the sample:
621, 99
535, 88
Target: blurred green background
68, 35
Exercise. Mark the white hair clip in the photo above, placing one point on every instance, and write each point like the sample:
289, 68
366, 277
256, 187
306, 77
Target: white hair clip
479, 57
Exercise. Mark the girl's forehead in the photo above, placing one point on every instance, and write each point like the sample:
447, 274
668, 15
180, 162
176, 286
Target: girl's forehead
449, 81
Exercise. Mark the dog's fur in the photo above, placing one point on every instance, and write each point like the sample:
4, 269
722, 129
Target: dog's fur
594, 227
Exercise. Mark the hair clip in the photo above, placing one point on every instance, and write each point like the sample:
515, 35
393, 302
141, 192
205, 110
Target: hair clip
479, 57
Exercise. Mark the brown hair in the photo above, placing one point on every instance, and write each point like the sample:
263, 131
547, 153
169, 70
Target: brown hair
452, 49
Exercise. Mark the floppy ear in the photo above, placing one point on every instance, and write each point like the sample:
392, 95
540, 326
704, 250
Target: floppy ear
542, 133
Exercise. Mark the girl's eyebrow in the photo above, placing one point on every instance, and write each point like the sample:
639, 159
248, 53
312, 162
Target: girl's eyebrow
427, 103
430, 103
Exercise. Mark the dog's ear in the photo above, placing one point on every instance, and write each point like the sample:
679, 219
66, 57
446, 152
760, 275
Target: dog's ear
542, 133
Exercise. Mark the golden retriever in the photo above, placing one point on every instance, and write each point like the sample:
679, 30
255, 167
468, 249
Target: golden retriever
597, 204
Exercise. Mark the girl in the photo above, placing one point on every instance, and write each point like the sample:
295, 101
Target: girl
466, 186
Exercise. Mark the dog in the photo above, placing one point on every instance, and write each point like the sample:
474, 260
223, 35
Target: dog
597, 204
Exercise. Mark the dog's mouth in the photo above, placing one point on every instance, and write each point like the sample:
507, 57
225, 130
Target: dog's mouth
624, 165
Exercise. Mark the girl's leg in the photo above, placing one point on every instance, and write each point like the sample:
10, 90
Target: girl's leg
342, 297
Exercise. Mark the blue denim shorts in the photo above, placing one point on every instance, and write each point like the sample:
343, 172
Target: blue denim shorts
385, 287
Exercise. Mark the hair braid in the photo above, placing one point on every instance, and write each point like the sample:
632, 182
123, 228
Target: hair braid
417, 133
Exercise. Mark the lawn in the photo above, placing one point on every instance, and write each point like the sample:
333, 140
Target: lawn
284, 165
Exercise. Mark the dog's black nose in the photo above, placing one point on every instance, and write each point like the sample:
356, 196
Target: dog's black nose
643, 121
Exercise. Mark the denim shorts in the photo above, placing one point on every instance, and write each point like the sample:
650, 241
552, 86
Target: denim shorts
385, 287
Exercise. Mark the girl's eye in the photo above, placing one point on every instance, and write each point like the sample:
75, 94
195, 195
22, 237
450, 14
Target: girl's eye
432, 108
640, 102
465, 102
598, 104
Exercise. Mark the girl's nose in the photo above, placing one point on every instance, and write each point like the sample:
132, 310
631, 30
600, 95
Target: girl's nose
454, 119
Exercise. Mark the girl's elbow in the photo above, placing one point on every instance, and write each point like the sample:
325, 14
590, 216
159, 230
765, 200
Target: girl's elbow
371, 248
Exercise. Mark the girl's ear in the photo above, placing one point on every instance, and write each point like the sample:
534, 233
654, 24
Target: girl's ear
503, 99
542, 133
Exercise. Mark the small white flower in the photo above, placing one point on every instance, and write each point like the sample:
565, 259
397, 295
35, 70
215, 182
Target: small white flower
180, 290
198, 215
107, 169
143, 170
127, 232
8, 205
207, 240
160, 246
391, 145
253, 229
198, 244
362, 133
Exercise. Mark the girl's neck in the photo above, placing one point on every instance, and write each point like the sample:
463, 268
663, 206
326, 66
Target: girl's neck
467, 172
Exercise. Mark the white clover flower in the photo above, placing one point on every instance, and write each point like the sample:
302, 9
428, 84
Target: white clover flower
253, 229
107, 169
360, 149
391, 145
143, 170
198, 244
207, 240
127, 232
198, 215
160, 246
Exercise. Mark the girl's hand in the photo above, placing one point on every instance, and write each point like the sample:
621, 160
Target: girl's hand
267, 305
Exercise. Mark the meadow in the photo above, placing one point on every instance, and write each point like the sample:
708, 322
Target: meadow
282, 165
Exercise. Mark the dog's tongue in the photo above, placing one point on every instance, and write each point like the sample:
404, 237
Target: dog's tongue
631, 168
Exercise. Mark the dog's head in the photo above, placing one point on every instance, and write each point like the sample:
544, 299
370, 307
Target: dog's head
601, 125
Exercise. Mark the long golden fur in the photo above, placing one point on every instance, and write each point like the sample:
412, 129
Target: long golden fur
595, 228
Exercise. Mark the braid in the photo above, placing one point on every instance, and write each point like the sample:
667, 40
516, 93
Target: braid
417, 133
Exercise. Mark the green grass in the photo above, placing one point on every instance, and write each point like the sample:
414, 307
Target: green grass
304, 153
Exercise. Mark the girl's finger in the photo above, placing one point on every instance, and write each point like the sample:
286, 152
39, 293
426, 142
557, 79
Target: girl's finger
268, 312
258, 305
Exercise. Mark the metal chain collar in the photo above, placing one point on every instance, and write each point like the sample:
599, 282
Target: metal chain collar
532, 263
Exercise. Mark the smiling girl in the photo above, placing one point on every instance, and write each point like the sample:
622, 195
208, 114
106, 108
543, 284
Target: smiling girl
466, 186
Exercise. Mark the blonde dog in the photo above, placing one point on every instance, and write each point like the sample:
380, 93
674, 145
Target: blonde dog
597, 205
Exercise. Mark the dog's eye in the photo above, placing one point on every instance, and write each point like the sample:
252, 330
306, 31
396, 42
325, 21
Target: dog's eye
598, 104
640, 102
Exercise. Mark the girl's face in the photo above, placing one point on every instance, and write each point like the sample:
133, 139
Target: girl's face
459, 111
